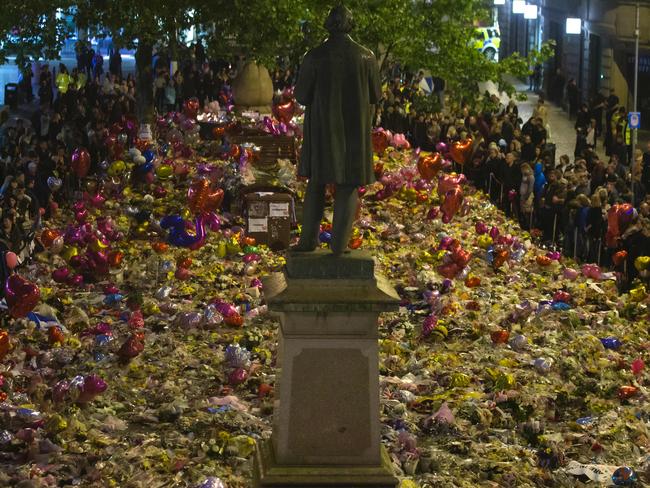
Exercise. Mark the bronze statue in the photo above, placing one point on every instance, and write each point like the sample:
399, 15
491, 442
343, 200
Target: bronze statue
339, 84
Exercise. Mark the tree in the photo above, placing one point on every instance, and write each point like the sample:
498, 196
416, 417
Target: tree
260, 30
32, 30
143, 25
431, 34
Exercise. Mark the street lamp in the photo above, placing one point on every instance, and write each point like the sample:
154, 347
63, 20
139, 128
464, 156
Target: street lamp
530, 12
518, 6
573, 25
636, 83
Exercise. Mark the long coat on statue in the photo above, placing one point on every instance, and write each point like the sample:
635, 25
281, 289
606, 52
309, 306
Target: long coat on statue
339, 84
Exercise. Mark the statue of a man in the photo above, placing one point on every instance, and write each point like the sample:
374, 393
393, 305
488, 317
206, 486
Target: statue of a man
339, 85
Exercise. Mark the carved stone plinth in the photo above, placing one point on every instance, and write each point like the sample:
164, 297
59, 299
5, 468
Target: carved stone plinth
326, 429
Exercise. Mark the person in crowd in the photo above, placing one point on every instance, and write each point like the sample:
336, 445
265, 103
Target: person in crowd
535, 78
541, 111
115, 62
581, 143
528, 149
169, 96
557, 87
552, 205
596, 107
511, 180
98, 65
573, 97
619, 152
595, 226
526, 195
583, 117
45, 94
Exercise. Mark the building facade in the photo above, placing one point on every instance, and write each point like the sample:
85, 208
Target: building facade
599, 58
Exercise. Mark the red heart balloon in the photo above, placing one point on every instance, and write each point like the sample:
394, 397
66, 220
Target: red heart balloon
500, 336
60, 275
80, 162
619, 257
449, 270
429, 166
202, 199
453, 201
191, 107
461, 150
461, 257
284, 111
447, 182
500, 257
21, 295
379, 141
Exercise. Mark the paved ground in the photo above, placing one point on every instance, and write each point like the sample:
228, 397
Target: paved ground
9, 71
562, 129
563, 133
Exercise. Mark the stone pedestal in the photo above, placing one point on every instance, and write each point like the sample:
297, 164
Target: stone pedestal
326, 429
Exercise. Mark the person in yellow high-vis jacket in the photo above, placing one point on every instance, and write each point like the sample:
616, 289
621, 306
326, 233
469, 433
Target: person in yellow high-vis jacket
63, 80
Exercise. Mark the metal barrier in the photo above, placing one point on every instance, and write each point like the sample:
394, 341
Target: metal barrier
494, 178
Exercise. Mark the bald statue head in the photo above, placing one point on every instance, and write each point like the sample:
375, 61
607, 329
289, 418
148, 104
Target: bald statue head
339, 20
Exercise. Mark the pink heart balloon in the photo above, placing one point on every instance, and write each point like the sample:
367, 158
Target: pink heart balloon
21, 295
60, 275
11, 259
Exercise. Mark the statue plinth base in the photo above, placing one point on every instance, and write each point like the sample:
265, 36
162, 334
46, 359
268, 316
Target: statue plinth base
269, 473
326, 429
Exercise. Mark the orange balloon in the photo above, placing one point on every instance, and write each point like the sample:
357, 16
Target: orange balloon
184, 262
543, 260
500, 257
453, 201
55, 335
160, 247
619, 257
284, 111
235, 151
4, 343
218, 131
472, 281
202, 198
249, 241
355, 243
461, 150
500, 336
429, 166
627, 391
234, 320
447, 182
115, 258
379, 141
48, 236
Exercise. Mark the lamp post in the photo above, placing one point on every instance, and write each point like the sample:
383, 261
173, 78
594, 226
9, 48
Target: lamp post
636, 82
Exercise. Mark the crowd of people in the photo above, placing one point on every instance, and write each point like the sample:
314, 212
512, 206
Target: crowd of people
76, 108
563, 199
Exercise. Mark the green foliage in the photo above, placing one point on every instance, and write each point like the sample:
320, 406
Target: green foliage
426, 103
436, 35
141, 21
424, 34
31, 30
259, 29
